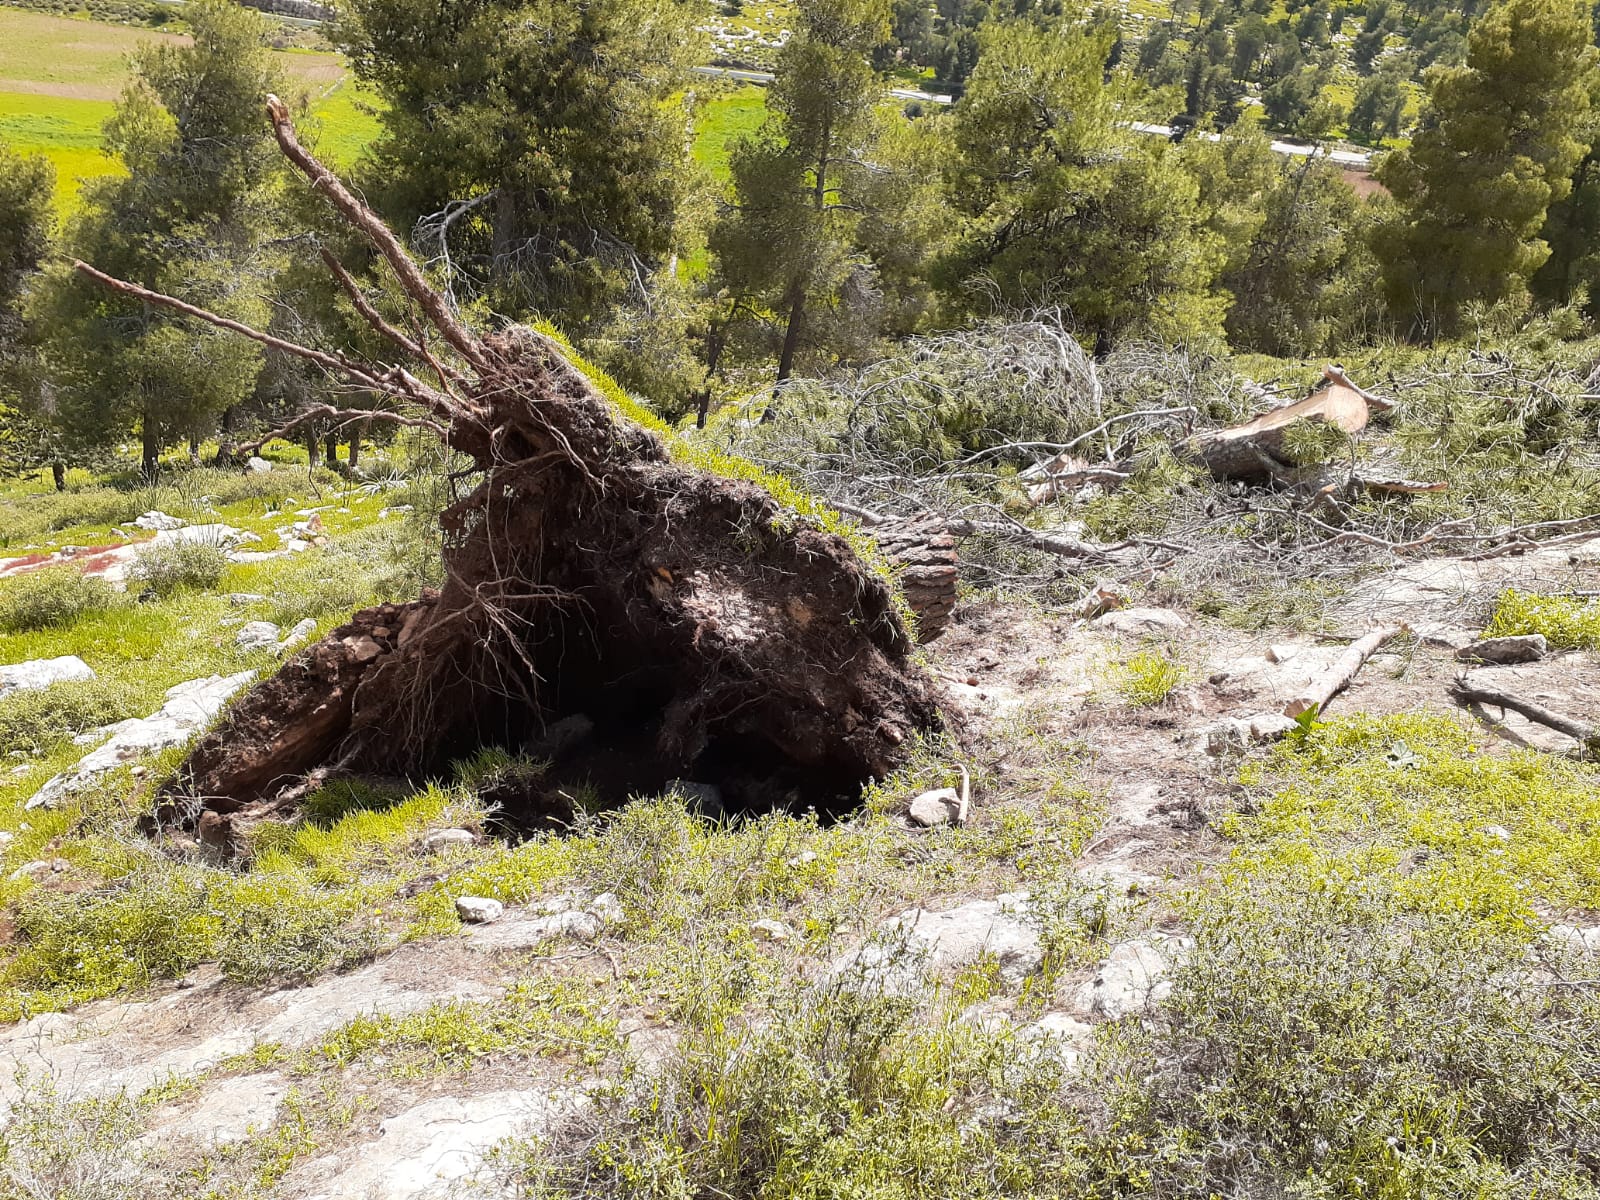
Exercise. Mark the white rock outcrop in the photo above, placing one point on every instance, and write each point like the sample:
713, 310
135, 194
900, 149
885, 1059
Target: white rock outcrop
42, 672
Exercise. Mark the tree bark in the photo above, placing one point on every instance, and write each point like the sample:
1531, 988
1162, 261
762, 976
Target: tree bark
355, 444
331, 449
149, 449
58, 475
313, 448
791, 334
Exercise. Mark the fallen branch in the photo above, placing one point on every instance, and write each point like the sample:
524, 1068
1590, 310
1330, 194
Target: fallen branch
1587, 736
338, 417
1337, 677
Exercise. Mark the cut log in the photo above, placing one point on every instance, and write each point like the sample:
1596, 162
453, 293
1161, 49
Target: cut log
1337, 677
712, 634
1255, 451
924, 556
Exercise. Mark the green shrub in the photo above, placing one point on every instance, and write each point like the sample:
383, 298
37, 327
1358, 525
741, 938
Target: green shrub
831, 1094
279, 928
153, 923
1149, 677
32, 720
167, 568
1566, 624
71, 1149
51, 597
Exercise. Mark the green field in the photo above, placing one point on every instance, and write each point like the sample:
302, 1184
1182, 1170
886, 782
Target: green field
59, 78
722, 120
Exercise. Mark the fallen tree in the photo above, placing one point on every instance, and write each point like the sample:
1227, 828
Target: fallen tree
703, 630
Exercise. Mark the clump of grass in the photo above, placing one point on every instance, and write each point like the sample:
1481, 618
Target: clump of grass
1149, 678
52, 597
32, 720
56, 1148
1566, 624
167, 568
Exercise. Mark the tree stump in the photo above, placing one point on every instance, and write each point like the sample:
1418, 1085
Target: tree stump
924, 556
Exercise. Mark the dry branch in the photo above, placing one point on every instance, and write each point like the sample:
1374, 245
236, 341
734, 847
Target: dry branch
1255, 450
1466, 693
1337, 677
337, 418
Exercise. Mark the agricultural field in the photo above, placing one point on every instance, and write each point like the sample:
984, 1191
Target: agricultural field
59, 78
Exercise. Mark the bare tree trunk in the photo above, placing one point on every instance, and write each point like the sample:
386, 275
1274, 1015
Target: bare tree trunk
791, 335
331, 451
194, 449
58, 475
313, 448
355, 444
149, 449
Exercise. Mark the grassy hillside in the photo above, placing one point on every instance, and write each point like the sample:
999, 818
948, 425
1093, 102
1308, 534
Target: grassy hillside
59, 78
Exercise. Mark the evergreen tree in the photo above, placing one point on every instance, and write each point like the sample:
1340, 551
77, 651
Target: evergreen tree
1063, 204
787, 241
1497, 147
191, 216
532, 144
26, 186
1380, 103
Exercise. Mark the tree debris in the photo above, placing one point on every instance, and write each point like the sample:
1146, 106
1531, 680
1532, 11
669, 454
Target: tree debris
1464, 692
1337, 677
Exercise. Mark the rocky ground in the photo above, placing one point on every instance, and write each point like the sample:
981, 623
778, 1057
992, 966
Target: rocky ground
309, 1091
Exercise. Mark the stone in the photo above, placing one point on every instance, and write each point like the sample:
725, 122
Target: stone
224, 537
1223, 738
802, 859
1117, 879
257, 635
40, 673
1269, 727
479, 910
560, 737
433, 1149
228, 1112
1060, 1035
1133, 977
241, 599
1524, 648
257, 465
441, 838
520, 932
938, 807
1579, 939
7, 838
898, 959
768, 930
1142, 621
188, 709
703, 798
1282, 652
298, 633
39, 868
1498, 832
608, 908
158, 520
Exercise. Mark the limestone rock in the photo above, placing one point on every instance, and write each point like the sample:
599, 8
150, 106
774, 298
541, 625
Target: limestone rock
42, 672
608, 909
257, 465
156, 519
938, 807
1142, 621
479, 910
1133, 977
224, 537
188, 709
1269, 727
911, 945
298, 633
1524, 648
769, 930
257, 635
441, 838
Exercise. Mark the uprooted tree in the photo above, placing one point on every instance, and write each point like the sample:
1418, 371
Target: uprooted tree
697, 627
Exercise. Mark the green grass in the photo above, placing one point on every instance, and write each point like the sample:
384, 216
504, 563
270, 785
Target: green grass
722, 120
1566, 624
59, 78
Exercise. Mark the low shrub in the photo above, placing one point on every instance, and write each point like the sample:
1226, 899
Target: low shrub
1149, 677
1566, 624
51, 597
167, 568
56, 1148
30, 721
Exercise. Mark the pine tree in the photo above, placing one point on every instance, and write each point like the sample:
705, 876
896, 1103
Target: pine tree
191, 216
1497, 147
26, 221
787, 241
1064, 205
534, 145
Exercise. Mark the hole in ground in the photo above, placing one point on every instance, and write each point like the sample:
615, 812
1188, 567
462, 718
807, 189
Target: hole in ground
599, 739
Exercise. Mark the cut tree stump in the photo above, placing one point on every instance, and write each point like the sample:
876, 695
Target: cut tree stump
1255, 451
709, 633
924, 556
